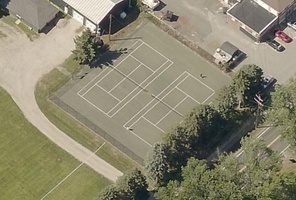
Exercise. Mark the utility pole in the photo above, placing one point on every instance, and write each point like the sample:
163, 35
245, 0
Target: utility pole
110, 25
259, 102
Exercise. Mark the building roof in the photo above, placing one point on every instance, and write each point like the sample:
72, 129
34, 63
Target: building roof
251, 14
229, 48
278, 5
35, 12
94, 10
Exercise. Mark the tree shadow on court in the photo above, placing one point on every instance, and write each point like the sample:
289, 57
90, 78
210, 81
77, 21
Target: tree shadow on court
108, 58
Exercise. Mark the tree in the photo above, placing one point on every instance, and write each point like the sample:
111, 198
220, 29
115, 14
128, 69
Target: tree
171, 191
133, 185
109, 193
226, 102
86, 47
248, 82
260, 177
283, 110
156, 165
255, 175
201, 125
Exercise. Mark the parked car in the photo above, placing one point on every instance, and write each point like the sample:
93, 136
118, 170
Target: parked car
275, 45
268, 81
283, 36
292, 25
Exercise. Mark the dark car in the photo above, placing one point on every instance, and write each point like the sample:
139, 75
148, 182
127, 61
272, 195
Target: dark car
268, 81
275, 45
283, 36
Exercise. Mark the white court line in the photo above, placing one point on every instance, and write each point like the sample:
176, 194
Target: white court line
143, 63
152, 123
142, 89
72, 172
208, 97
102, 71
150, 103
125, 78
202, 82
107, 92
189, 74
138, 86
155, 50
188, 95
85, 99
141, 138
113, 68
170, 111
205, 86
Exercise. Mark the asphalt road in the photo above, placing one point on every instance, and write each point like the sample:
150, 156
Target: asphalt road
273, 140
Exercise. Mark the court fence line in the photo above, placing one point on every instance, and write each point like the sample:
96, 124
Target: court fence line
54, 96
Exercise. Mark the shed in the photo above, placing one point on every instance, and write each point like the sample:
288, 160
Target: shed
229, 48
225, 53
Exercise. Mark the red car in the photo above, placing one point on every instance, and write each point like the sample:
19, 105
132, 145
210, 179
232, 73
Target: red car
283, 36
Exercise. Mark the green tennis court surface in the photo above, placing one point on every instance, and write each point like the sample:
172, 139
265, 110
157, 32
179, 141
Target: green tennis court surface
148, 87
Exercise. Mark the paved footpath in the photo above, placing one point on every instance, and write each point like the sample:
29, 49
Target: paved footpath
23, 63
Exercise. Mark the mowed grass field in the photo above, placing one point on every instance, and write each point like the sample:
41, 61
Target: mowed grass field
31, 165
51, 82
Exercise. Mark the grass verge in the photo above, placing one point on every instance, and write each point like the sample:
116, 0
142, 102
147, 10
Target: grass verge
31, 165
11, 20
51, 82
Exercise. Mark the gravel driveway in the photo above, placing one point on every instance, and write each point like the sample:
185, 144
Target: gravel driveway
22, 64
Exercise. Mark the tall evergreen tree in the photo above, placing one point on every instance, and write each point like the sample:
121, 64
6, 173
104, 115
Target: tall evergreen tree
86, 47
248, 82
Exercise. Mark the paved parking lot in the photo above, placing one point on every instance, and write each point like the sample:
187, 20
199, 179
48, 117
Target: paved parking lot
204, 23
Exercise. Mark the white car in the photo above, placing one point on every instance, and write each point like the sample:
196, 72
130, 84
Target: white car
292, 25
152, 4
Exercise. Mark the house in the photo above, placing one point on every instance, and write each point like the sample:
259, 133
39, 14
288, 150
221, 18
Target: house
256, 18
34, 13
91, 13
225, 53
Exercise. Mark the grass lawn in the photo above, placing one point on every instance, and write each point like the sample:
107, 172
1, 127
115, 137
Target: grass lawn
10, 20
51, 82
31, 165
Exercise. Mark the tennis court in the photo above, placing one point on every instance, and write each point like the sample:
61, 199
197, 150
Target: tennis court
140, 95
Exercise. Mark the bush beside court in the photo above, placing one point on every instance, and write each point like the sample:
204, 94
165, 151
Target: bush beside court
31, 165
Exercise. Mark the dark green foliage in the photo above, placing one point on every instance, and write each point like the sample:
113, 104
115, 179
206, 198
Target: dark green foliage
255, 176
130, 186
87, 47
248, 82
156, 164
226, 102
109, 193
189, 139
133, 185
283, 110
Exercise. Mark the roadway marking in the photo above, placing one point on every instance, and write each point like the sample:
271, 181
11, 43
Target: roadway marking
266, 129
273, 141
285, 149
